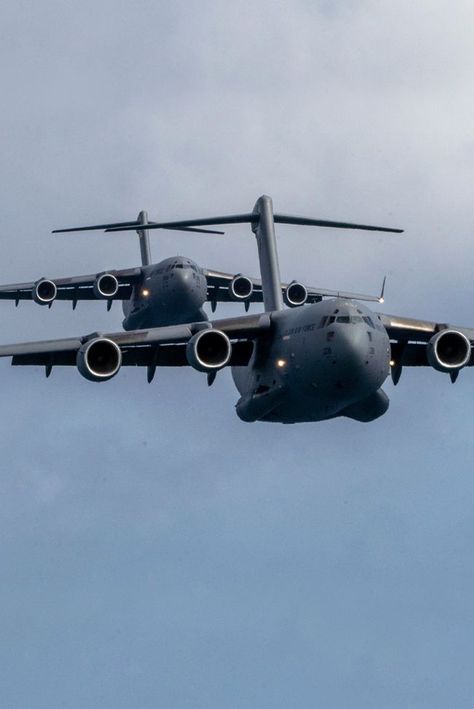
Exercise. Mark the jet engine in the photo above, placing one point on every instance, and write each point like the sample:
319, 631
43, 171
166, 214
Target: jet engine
99, 359
44, 291
106, 285
448, 351
208, 350
240, 287
295, 294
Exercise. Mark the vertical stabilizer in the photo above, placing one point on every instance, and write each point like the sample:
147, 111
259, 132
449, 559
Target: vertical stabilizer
264, 230
144, 239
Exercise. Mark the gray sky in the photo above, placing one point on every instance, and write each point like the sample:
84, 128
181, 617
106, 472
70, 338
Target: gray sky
156, 551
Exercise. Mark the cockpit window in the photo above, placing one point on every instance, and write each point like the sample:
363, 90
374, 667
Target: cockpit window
352, 319
369, 321
346, 319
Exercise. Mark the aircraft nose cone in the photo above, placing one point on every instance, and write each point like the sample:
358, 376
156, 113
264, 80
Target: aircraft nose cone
180, 282
184, 289
361, 357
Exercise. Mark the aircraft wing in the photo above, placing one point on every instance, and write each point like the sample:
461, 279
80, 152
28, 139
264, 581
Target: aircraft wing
409, 336
219, 290
75, 288
218, 287
163, 346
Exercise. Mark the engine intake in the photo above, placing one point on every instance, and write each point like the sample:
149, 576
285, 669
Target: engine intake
106, 285
44, 291
99, 359
295, 294
448, 351
208, 350
240, 287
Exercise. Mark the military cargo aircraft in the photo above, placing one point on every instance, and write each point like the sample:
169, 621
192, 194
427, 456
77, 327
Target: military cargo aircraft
316, 362
170, 292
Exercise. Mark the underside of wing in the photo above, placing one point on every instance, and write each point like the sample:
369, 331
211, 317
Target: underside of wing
108, 285
400, 328
206, 347
226, 287
423, 343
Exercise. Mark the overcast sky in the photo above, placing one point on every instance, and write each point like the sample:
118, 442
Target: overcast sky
155, 551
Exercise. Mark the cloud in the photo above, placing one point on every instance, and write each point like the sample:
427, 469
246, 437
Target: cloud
153, 545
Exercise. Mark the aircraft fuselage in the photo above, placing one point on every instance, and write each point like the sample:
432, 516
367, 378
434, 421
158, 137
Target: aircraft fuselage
320, 361
171, 292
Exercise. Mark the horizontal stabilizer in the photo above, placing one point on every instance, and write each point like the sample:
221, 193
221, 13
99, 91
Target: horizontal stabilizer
133, 226
303, 221
186, 223
253, 218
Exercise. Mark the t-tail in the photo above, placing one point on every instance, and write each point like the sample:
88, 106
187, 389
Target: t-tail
141, 225
262, 220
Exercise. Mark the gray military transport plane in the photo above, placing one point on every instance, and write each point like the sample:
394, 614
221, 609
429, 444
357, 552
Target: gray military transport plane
323, 360
170, 292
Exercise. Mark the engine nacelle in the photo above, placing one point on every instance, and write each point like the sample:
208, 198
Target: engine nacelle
44, 291
106, 285
448, 351
295, 294
240, 288
99, 359
208, 350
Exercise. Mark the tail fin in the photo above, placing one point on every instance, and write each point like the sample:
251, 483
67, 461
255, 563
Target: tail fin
141, 226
